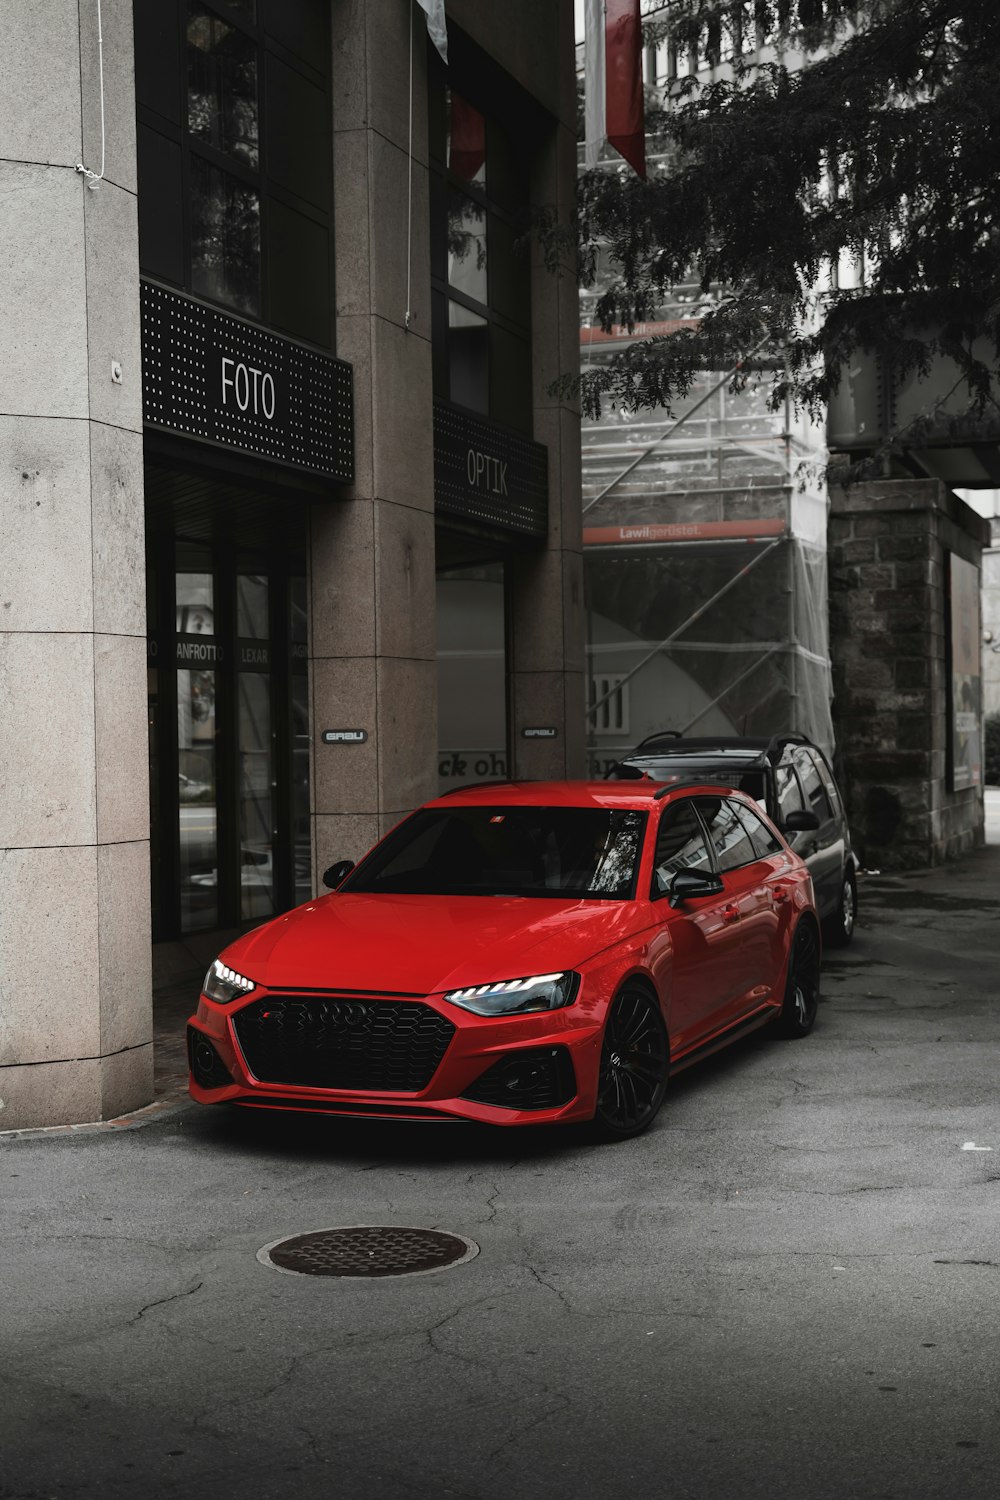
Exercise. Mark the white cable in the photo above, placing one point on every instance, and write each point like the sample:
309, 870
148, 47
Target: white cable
94, 179
409, 185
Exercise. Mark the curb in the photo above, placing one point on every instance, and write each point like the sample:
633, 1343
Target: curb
160, 1109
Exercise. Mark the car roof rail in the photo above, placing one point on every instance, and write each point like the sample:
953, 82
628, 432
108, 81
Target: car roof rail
661, 734
470, 786
777, 743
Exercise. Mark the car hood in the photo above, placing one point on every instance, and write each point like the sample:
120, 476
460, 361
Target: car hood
425, 944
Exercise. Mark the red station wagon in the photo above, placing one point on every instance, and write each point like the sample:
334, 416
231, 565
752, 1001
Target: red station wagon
519, 954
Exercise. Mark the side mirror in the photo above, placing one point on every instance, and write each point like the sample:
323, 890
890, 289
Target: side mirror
800, 820
688, 885
338, 873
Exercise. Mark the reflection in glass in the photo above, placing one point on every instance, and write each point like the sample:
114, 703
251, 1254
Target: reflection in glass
467, 245
300, 787
251, 606
256, 775
297, 609
221, 85
466, 141
225, 237
196, 777
195, 595
468, 358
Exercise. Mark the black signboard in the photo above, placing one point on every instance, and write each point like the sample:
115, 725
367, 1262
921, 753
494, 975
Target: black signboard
489, 474
222, 380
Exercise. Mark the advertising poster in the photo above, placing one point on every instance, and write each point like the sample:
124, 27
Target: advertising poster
965, 719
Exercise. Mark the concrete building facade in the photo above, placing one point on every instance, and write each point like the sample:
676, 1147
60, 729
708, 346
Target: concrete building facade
275, 384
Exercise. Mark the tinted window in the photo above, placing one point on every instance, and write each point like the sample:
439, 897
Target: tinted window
680, 843
813, 788
764, 841
789, 793
728, 837
590, 853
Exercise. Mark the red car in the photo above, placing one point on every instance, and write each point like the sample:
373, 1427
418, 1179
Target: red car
518, 955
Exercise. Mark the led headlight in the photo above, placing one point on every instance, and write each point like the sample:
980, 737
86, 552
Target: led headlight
510, 997
224, 984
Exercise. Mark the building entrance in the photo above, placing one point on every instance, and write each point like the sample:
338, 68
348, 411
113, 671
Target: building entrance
228, 733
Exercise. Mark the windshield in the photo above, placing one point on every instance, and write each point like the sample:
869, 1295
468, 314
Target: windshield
580, 853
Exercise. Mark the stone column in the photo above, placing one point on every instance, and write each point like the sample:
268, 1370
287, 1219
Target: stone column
372, 627
888, 546
75, 998
546, 595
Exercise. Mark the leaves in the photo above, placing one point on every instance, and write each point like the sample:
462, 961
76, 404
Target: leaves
880, 152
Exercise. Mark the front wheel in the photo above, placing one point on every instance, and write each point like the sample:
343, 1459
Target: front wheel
798, 1012
635, 1064
839, 927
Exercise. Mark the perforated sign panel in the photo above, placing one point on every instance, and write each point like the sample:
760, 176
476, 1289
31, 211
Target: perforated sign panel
221, 380
489, 474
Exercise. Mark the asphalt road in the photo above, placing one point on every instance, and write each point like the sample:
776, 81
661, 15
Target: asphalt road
789, 1288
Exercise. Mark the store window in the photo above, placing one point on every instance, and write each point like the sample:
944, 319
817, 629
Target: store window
480, 271
234, 148
229, 734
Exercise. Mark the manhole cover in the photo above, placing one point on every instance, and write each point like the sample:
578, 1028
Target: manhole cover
367, 1250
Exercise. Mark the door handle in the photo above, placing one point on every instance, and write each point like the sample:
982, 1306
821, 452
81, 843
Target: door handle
730, 913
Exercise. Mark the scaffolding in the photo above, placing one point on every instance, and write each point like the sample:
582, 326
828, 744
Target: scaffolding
705, 565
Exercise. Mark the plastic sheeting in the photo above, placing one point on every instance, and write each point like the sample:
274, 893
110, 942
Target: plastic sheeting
705, 566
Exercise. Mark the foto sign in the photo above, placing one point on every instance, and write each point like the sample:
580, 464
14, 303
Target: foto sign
218, 379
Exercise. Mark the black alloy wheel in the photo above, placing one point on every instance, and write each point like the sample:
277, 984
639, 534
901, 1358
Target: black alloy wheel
635, 1064
839, 926
798, 1013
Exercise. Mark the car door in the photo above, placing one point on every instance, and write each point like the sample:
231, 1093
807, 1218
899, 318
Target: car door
691, 956
776, 865
824, 850
747, 907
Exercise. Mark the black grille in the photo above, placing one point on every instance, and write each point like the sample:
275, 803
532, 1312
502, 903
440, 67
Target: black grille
335, 1042
538, 1078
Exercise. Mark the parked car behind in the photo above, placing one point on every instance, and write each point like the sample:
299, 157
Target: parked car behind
792, 780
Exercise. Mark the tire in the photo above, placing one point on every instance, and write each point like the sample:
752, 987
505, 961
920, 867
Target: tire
838, 929
798, 1012
635, 1066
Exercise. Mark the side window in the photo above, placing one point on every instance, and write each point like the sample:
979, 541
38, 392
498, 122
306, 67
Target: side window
826, 775
763, 839
815, 793
789, 792
680, 842
726, 833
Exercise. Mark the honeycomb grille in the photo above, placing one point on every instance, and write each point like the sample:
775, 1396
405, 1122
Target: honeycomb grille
368, 1250
334, 1042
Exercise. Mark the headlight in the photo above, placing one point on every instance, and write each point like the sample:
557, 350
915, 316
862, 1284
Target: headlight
508, 997
223, 983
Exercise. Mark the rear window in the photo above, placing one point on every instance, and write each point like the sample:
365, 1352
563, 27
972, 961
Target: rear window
559, 852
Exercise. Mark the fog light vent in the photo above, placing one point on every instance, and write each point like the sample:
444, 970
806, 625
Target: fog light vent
368, 1250
210, 1072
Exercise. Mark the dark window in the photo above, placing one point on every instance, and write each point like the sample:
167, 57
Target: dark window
789, 791
764, 841
558, 852
480, 273
234, 149
680, 844
729, 839
812, 786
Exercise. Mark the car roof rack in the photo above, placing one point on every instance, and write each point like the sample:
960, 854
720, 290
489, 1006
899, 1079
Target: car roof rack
661, 734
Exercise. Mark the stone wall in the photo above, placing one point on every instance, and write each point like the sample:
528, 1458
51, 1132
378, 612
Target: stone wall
888, 546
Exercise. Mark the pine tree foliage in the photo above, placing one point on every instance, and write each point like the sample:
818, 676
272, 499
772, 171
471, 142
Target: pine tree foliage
882, 147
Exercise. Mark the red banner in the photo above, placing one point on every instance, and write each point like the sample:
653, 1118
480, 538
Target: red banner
625, 115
